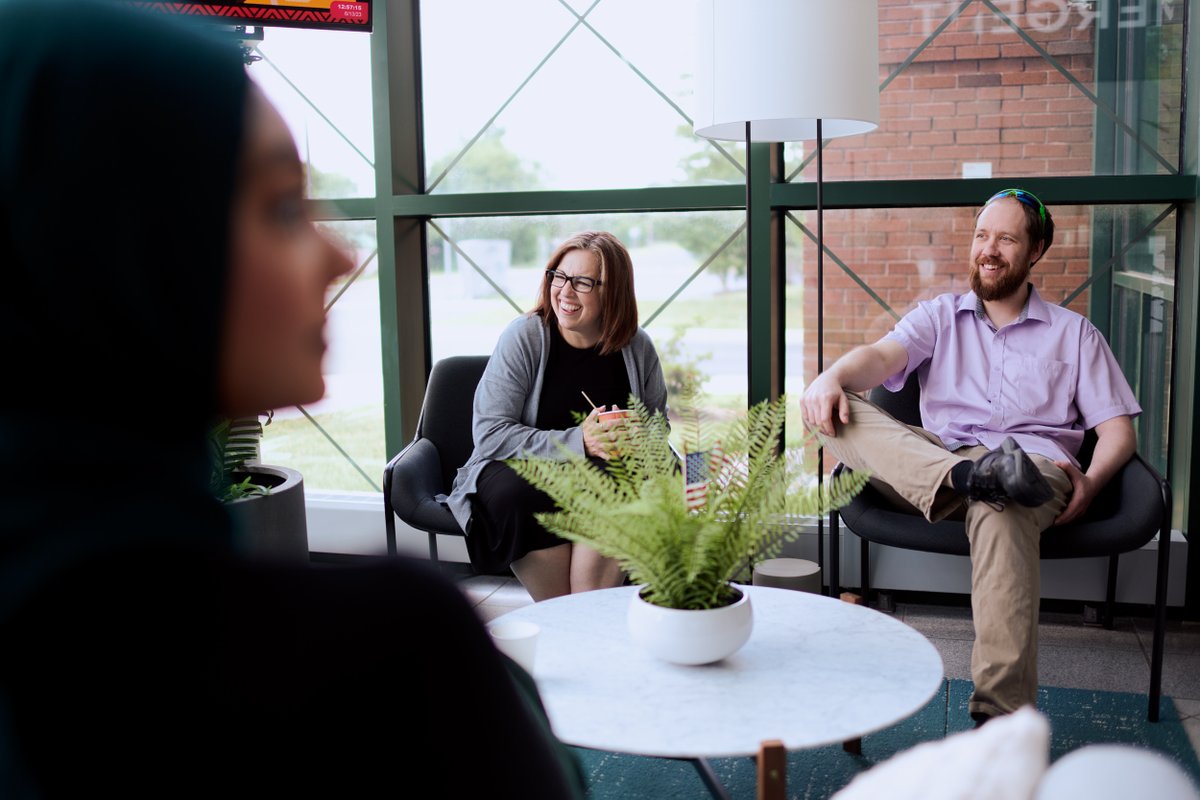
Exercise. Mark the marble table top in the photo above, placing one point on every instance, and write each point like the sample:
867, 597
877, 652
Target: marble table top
816, 671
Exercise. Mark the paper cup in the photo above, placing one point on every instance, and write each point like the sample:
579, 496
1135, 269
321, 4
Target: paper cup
517, 640
613, 416
612, 437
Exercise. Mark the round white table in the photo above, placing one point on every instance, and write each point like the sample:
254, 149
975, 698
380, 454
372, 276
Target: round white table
816, 671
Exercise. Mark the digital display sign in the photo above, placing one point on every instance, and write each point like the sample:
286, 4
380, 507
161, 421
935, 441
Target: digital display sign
341, 15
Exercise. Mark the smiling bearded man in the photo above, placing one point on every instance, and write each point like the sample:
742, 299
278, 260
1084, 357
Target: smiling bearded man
1009, 383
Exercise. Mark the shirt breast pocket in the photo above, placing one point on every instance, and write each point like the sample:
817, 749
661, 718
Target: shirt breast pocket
1045, 389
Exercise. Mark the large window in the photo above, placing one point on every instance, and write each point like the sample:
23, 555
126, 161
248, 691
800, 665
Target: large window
689, 274
585, 96
534, 119
321, 82
542, 94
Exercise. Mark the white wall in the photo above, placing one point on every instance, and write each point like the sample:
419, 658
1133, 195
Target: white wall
345, 523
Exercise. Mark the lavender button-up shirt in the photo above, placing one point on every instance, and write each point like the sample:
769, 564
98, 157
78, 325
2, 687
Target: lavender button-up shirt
1043, 379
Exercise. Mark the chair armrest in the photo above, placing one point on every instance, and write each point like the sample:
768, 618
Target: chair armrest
416, 475
1162, 482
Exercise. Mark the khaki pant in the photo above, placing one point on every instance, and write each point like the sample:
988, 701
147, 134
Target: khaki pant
911, 467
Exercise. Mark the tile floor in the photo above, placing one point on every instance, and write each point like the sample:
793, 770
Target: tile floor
1072, 654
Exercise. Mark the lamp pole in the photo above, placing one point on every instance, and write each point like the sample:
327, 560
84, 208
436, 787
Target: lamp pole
749, 268
747, 62
834, 556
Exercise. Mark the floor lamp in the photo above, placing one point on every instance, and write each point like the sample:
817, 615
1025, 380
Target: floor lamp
788, 70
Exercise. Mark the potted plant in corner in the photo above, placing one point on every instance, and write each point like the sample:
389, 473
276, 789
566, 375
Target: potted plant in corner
683, 529
265, 502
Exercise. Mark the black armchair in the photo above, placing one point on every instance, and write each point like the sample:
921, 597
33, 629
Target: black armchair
426, 467
1134, 507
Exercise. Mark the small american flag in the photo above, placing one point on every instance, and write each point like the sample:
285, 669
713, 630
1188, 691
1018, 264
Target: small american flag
698, 468
695, 479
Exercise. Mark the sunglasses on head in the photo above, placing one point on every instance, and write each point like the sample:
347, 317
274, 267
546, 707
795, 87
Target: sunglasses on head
1025, 197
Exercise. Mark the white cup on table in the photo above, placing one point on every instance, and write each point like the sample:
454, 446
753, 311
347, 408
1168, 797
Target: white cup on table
517, 639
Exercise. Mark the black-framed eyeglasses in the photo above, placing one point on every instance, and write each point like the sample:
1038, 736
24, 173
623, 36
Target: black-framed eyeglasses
580, 283
1028, 198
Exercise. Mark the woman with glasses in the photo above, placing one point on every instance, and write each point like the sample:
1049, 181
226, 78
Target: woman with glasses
579, 352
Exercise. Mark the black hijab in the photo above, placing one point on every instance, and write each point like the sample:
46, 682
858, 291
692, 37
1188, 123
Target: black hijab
119, 136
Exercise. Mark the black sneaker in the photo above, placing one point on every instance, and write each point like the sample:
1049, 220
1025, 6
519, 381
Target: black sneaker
1006, 473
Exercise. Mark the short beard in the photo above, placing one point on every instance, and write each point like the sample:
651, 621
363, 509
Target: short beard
1011, 282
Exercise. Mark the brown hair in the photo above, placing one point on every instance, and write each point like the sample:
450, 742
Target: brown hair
618, 309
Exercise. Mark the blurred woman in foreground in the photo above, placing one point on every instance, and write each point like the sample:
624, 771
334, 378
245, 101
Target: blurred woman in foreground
140, 656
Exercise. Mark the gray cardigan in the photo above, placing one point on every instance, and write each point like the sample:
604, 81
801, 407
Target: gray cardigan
506, 404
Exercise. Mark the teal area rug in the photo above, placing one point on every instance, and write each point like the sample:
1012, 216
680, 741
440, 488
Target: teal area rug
1077, 717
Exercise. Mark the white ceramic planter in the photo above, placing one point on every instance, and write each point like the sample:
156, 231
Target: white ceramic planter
691, 637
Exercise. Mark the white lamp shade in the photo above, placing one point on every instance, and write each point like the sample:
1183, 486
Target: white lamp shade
783, 64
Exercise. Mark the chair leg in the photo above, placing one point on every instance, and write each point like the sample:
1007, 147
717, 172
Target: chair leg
821, 554
1110, 599
1160, 616
835, 561
433, 556
389, 525
1160, 603
864, 563
389, 514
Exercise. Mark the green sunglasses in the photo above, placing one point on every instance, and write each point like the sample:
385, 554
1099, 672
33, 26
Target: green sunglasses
1025, 197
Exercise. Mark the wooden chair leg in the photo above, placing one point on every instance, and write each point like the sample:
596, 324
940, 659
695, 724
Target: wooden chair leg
853, 746
772, 771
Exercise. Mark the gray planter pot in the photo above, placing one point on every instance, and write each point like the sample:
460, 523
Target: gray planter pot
272, 527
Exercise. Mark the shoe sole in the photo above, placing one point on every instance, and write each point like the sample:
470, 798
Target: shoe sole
1035, 490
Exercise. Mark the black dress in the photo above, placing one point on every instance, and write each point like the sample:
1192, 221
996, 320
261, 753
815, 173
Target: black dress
503, 527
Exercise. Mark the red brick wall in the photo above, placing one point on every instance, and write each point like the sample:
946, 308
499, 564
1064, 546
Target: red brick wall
909, 255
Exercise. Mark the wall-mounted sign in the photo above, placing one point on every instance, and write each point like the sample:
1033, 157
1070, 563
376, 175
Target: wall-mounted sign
341, 15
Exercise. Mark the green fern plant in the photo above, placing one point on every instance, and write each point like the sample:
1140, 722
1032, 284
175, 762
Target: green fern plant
233, 443
635, 510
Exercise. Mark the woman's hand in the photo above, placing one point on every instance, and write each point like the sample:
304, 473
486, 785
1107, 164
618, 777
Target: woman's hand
598, 436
